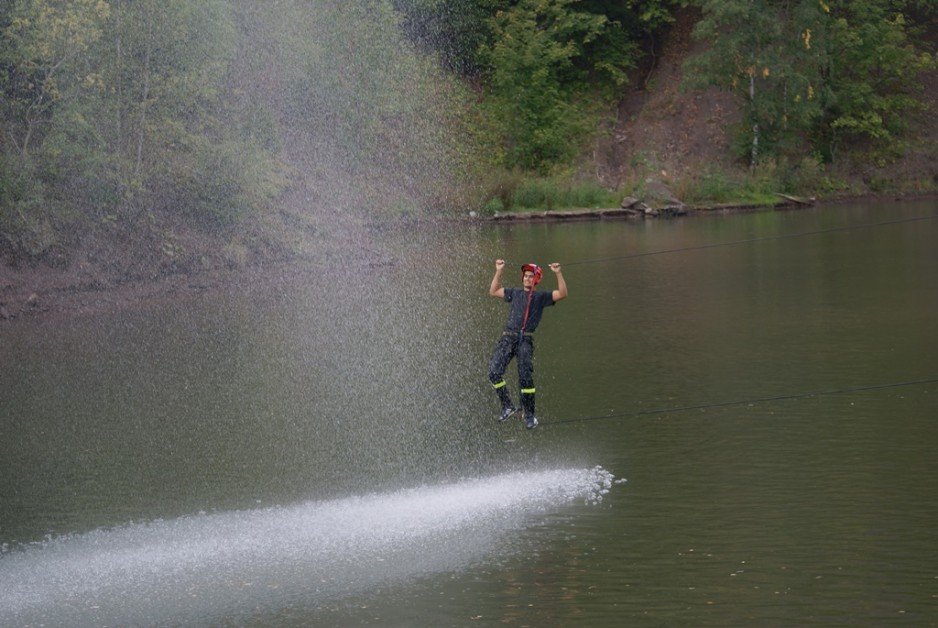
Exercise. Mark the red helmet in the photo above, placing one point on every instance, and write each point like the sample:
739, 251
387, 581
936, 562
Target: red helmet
534, 268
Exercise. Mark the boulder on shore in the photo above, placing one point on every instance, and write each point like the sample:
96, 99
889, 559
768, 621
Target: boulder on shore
629, 202
658, 200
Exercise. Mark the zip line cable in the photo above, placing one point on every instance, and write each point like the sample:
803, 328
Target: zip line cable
746, 241
724, 404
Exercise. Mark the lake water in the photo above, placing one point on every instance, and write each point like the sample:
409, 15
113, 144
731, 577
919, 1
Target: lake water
730, 434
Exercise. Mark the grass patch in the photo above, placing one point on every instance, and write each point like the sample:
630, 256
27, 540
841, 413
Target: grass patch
515, 193
761, 186
518, 192
717, 187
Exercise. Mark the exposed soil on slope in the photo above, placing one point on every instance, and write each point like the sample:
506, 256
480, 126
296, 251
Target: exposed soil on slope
663, 127
669, 132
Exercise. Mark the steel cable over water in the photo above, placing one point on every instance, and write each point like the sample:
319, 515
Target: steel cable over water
721, 404
715, 245
740, 402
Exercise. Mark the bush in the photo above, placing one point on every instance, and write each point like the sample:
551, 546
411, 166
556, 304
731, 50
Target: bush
715, 186
591, 194
807, 176
712, 187
511, 191
537, 194
24, 221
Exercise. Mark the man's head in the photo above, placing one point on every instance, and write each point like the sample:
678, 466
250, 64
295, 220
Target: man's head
531, 275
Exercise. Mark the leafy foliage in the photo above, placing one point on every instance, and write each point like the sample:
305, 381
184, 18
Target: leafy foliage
547, 67
532, 79
821, 71
120, 111
117, 111
367, 109
121, 107
453, 29
870, 77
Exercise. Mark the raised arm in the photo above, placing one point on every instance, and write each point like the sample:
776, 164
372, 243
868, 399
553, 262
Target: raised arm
561, 291
496, 289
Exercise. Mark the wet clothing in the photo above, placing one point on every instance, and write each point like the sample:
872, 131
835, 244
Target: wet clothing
525, 312
521, 347
517, 342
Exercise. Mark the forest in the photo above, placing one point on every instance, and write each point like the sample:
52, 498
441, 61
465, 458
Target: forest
132, 121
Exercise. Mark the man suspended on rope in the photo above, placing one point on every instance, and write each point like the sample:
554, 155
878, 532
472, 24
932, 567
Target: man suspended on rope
526, 307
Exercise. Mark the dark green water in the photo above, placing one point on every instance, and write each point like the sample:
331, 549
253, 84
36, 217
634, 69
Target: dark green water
149, 452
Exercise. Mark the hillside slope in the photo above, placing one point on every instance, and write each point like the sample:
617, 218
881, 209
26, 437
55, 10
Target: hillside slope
671, 133
661, 132
662, 127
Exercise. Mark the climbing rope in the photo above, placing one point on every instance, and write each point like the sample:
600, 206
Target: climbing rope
740, 402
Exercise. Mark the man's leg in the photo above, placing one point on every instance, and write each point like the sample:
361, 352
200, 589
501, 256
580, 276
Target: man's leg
504, 351
526, 379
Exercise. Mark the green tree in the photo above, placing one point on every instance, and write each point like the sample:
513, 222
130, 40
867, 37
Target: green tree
121, 108
169, 62
43, 70
770, 64
871, 77
453, 29
813, 74
546, 67
370, 119
42, 45
534, 83
630, 32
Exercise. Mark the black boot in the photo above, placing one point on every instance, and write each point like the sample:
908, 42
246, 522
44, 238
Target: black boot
527, 402
504, 396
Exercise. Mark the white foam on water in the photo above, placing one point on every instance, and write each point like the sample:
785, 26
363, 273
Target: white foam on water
203, 567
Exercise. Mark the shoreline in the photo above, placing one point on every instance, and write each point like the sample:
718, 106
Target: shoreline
41, 291
562, 215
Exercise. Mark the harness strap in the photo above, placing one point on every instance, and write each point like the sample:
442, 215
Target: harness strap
527, 309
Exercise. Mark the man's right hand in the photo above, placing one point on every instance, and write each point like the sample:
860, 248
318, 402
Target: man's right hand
496, 289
